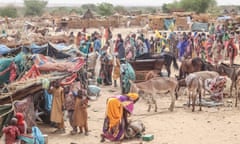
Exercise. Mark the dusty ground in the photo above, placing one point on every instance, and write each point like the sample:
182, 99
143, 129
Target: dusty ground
218, 125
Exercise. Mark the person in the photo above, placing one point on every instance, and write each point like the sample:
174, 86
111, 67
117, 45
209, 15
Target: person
21, 123
57, 106
78, 39
120, 54
69, 105
117, 110
106, 65
97, 43
80, 114
11, 132
71, 38
119, 49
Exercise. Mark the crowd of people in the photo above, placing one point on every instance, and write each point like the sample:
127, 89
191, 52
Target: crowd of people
216, 45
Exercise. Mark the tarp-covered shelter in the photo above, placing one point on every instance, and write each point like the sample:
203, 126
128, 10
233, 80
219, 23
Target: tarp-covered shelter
200, 27
49, 50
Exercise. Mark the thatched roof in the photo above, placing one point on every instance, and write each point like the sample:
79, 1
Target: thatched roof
88, 14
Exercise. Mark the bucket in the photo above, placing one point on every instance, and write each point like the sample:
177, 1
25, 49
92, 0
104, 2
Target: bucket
45, 138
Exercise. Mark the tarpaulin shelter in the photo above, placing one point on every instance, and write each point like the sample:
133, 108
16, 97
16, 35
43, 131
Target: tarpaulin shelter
21, 62
197, 26
48, 50
6, 113
168, 22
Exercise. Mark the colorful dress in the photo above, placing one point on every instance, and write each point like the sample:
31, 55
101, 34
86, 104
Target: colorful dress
115, 123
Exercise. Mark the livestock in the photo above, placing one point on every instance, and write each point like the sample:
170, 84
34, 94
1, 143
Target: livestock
224, 69
191, 65
194, 86
151, 74
204, 75
154, 86
164, 59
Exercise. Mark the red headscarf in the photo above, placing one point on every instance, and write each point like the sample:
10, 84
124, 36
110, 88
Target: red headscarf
20, 118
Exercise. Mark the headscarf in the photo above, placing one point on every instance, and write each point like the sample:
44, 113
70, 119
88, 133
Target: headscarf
20, 118
133, 96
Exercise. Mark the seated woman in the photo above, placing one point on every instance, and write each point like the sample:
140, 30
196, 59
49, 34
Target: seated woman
117, 111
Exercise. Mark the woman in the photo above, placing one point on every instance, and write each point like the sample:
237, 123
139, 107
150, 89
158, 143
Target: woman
78, 39
116, 122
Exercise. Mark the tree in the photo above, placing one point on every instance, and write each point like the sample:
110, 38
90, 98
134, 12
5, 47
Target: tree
9, 11
120, 9
105, 9
199, 6
92, 7
34, 7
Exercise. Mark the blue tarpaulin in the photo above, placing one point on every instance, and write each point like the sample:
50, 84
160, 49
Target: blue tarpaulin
197, 26
4, 49
168, 22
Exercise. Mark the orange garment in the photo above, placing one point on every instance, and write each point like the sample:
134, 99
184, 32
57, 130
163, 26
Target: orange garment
114, 111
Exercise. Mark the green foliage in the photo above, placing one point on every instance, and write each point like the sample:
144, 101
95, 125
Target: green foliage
77, 11
92, 7
105, 9
199, 6
9, 11
34, 7
120, 9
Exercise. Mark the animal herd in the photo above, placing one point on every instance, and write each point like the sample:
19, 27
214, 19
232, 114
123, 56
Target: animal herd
193, 74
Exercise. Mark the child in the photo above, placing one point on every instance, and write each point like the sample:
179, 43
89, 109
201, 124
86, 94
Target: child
11, 132
21, 124
80, 113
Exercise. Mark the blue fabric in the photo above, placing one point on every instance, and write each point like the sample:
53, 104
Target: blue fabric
48, 100
127, 73
97, 45
38, 49
60, 46
167, 23
4, 49
27, 140
94, 89
37, 134
182, 47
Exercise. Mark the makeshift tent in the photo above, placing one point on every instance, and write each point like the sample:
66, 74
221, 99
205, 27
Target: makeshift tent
168, 22
6, 113
197, 26
48, 50
46, 64
21, 62
4, 49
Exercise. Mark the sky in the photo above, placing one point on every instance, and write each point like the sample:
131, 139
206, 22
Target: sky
119, 2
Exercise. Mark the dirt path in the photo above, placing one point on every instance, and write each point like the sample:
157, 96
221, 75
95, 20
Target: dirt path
212, 125
218, 125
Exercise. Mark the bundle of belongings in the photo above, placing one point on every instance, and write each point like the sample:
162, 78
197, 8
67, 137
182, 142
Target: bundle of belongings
216, 86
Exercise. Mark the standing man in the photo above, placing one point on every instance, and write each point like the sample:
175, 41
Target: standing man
120, 54
57, 106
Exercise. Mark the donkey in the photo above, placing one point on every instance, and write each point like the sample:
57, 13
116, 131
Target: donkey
194, 85
154, 86
238, 90
204, 75
237, 85
191, 65
152, 74
224, 69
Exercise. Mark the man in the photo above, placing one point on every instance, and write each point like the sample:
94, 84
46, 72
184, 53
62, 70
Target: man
97, 43
120, 54
57, 106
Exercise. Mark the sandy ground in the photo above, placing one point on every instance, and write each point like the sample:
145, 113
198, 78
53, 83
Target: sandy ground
216, 125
